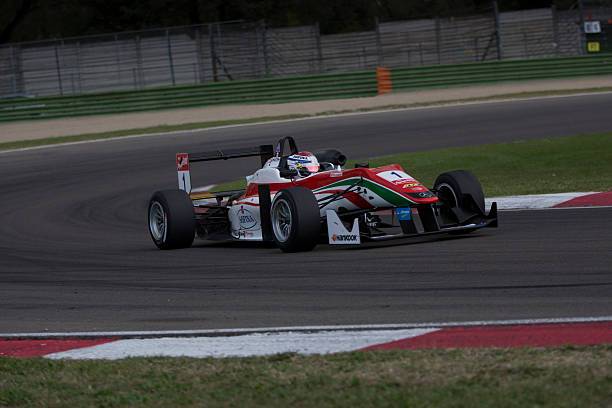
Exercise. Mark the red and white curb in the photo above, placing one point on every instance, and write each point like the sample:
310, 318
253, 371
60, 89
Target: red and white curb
560, 200
309, 340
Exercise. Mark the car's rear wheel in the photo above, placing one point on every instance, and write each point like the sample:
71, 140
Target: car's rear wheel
296, 223
171, 221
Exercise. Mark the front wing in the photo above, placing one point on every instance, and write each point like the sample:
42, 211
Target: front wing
412, 224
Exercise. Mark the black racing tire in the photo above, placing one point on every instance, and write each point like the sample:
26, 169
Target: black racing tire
454, 186
296, 223
171, 221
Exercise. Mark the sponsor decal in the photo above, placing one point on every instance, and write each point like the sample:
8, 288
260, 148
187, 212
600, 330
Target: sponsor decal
199, 196
401, 181
300, 160
338, 234
403, 214
246, 218
408, 185
335, 174
425, 194
345, 237
182, 162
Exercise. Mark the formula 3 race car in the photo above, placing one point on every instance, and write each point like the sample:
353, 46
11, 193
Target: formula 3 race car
296, 199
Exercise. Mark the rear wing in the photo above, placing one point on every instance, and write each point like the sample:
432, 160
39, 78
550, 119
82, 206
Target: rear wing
183, 159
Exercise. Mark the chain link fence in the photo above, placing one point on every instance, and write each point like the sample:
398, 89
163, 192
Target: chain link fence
237, 50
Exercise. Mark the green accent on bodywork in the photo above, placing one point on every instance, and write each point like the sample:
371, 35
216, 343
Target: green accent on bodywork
392, 197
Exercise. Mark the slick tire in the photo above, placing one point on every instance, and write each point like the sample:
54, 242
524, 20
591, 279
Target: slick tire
460, 189
454, 187
171, 220
296, 223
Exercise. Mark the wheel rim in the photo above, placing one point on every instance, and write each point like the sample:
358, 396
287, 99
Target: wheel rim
158, 222
448, 195
281, 220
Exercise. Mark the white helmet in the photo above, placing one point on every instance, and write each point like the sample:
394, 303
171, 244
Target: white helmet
304, 162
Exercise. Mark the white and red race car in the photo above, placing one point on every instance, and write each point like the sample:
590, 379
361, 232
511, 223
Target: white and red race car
298, 198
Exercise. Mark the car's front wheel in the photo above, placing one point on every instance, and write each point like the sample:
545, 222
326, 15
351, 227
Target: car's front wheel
171, 221
462, 196
296, 223
461, 189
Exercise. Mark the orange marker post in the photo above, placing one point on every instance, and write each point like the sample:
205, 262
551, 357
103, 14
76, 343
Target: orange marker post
383, 75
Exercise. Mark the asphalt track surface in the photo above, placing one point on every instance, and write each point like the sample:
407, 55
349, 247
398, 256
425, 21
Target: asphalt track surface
75, 254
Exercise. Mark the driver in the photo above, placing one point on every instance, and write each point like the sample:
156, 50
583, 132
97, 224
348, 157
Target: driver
304, 162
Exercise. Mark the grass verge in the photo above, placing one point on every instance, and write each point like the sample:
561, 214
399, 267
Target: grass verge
483, 377
574, 163
203, 125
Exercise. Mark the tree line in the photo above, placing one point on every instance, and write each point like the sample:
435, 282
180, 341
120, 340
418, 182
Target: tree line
28, 20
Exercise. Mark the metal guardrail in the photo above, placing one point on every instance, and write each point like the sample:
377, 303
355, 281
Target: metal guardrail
310, 87
278, 90
500, 71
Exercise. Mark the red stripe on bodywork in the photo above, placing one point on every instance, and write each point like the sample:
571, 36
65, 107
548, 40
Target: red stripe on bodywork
591, 200
38, 348
539, 335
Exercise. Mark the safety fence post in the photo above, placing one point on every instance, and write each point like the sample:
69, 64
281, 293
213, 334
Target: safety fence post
379, 51
199, 58
555, 27
138, 72
78, 66
117, 59
170, 58
500, 52
265, 50
438, 42
319, 49
13, 70
58, 69
582, 33
213, 52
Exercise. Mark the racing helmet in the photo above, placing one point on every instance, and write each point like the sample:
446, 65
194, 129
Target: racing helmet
304, 162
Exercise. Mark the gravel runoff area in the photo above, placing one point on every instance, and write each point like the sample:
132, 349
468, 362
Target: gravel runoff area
38, 129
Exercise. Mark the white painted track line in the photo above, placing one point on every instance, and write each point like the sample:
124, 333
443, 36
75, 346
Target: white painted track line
247, 331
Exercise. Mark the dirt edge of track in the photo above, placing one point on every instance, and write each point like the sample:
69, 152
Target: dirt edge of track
40, 129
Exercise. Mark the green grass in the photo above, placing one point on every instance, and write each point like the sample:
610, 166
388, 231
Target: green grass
203, 125
485, 377
563, 164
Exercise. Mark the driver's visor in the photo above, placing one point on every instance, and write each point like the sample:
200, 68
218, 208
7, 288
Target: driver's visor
311, 168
